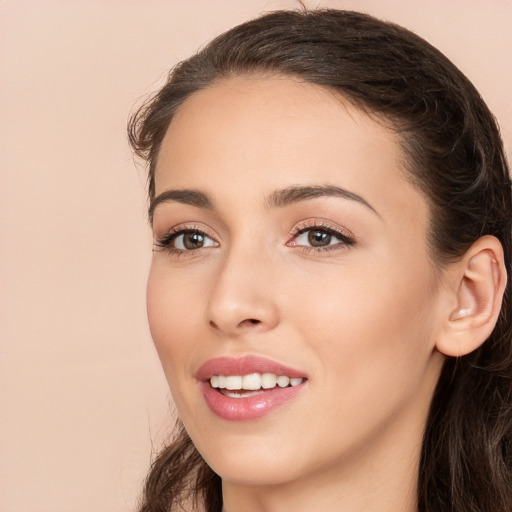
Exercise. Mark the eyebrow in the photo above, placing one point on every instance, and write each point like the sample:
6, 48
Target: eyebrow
186, 196
278, 199
295, 194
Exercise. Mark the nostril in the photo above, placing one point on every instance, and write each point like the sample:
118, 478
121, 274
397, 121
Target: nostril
249, 321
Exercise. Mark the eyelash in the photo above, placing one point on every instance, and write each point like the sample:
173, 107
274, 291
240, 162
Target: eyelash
345, 239
165, 242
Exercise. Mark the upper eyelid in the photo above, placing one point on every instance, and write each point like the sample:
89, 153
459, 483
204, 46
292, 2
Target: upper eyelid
185, 228
346, 237
305, 229
308, 225
166, 240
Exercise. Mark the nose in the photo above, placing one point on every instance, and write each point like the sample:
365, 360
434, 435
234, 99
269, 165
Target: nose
243, 298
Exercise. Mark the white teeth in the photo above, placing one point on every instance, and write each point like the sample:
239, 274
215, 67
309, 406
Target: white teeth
253, 382
233, 382
268, 381
283, 381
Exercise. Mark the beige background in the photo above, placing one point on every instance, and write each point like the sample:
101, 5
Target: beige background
81, 392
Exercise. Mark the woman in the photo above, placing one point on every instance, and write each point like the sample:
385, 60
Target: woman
330, 203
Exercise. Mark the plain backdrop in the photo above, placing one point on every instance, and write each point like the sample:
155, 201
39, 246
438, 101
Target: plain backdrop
82, 396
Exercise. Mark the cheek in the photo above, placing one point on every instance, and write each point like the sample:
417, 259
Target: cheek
372, 344
172, 307
370, 325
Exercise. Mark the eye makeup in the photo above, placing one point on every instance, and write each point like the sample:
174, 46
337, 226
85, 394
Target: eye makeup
183, 239
310, 236
321, 236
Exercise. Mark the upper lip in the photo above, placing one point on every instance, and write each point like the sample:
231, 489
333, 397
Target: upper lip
244, 366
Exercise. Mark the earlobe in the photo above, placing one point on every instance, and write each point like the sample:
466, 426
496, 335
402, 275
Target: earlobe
478, 286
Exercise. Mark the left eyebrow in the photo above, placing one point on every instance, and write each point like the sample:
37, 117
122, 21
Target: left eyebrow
186, 196
295, 194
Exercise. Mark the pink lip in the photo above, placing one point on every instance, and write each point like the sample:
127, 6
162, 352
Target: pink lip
252, 407
244, 366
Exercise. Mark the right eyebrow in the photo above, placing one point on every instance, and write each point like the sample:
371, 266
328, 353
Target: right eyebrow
297, 193
185, 196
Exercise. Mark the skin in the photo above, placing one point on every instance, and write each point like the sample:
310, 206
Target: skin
361, 320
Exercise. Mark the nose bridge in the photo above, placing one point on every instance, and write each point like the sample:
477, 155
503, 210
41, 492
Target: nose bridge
242, 294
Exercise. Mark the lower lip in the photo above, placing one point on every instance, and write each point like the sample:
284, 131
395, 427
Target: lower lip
251, 407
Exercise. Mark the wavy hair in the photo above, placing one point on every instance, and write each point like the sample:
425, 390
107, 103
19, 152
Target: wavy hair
454, 154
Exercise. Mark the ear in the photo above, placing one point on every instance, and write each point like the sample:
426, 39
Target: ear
476, 285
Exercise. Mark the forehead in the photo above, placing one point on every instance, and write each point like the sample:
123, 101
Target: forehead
255, 133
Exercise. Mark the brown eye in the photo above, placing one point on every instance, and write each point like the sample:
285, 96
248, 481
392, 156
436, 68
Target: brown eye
189, 240
193, 240
185, 240
319, 238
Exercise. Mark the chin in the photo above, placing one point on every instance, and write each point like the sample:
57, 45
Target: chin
263, 471
250, 459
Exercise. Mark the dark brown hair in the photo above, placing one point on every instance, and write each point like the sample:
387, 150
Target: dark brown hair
454, 155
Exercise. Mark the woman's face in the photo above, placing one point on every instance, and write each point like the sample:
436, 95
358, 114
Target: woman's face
289, 242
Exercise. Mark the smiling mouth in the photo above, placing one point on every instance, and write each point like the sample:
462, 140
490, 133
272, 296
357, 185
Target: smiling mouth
244, 386
249, 387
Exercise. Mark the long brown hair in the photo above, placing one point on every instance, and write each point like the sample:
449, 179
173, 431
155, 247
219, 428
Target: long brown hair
454, 155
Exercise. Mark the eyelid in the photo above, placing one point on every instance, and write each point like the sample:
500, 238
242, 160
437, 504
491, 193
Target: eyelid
316, 223
163, 242
346, 237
